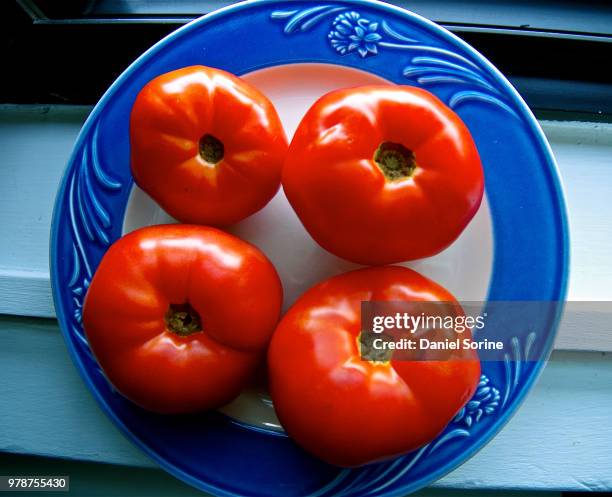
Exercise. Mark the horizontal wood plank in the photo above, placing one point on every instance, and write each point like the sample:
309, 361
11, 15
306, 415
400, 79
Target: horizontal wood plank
36, 141
557, 441
27, 293
35, 144
106, 480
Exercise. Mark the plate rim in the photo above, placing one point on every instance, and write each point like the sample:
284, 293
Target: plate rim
552, 172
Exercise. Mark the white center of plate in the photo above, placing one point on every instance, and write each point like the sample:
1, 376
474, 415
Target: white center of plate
464, 268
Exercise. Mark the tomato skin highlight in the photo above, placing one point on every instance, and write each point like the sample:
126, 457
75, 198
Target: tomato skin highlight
231, 285
183, 116
348, 411
344, 199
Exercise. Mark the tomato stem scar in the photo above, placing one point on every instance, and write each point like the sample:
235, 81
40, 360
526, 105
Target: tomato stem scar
367, 351
211, 149
182, 319
395, 161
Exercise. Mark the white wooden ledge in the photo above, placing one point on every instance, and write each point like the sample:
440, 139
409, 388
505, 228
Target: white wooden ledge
36, 141
559, 439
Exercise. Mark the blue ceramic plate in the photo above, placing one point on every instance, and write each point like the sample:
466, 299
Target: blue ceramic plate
515, 249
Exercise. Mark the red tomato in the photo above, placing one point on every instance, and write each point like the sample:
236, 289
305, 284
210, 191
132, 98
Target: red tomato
178, 316
207, 146
348, 411
383, 174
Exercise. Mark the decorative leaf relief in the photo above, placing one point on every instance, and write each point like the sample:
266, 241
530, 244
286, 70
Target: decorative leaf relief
303, 20
484, 402
352, 34
89, 219
513, 364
